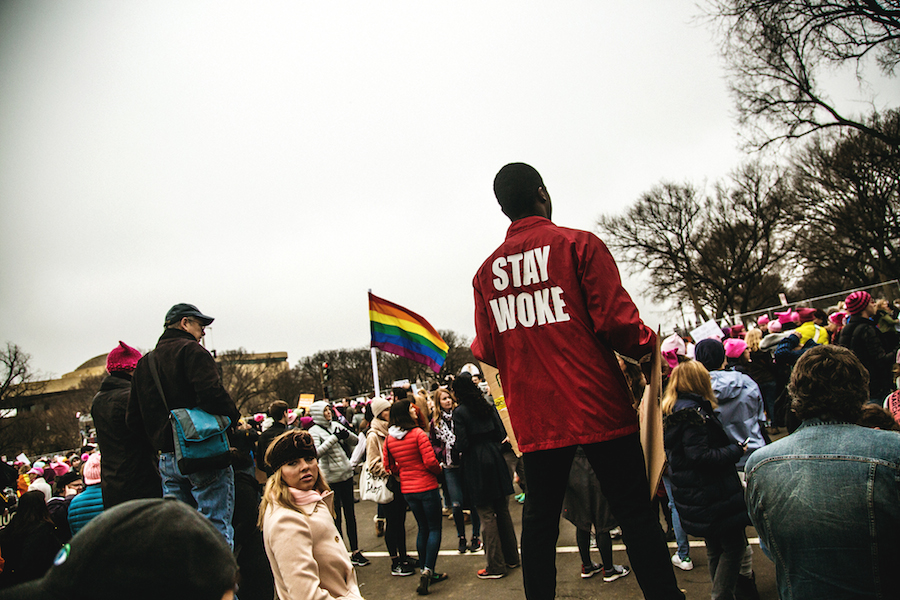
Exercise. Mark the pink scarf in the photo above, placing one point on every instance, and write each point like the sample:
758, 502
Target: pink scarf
302, 498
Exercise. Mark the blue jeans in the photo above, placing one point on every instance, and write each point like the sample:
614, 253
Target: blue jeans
210, 492
684, 548
458, 501
426, 508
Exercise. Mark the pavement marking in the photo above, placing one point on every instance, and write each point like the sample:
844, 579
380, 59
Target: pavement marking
559, 549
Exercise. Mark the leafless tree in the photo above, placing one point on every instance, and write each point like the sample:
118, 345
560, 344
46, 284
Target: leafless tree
778, 49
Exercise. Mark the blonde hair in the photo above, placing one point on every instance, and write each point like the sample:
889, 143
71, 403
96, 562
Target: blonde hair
689, 376
753, 337
277, 492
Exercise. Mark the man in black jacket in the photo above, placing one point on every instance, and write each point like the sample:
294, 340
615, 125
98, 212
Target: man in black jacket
861, 335
129, 468
278, 412
189, 379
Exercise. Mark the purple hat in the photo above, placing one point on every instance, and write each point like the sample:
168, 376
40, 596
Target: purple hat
857, 301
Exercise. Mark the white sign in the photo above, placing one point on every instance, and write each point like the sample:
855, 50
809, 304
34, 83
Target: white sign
707, 330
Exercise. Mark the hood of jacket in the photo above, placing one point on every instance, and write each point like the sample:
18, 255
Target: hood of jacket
728, 386
317, 412
396, 432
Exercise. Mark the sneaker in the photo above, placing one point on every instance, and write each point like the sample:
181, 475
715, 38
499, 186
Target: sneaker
463, 545
520, 498
358, 560
476, 545
684, 564
515, 566
402, 569
615, 533
424, 581
483, 574
438, 577
379, 527
412, 562
588, 572
616, 572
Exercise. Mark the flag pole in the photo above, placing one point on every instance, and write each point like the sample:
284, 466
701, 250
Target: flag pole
375, 368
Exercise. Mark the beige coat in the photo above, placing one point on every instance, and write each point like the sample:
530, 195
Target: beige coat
374, 443
308, 558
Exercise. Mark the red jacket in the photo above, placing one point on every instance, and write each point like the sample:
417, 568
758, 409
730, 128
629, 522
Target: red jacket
412, 459
550, 310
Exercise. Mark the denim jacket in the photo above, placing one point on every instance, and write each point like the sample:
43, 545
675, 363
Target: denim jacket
826, 502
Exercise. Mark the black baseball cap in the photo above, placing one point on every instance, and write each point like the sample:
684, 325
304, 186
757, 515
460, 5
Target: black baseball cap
142, 550
179, 311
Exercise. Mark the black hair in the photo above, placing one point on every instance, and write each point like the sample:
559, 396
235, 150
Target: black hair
400, 417
516, 188
468, 394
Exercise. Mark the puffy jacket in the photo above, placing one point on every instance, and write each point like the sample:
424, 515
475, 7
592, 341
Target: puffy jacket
84, 507
705, 485
409, 455
740, 410
333, 460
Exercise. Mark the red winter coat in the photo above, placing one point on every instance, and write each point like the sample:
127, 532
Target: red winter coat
411, 458
550, 310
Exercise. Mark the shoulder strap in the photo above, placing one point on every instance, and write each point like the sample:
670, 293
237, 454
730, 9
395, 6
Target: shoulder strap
154, 370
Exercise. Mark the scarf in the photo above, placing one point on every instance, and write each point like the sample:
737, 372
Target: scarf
302, 498
443, 431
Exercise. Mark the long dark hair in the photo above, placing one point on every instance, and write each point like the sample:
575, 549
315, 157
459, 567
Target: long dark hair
468, 394
400, 417
32, 508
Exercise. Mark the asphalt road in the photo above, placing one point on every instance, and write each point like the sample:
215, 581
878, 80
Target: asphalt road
376, 582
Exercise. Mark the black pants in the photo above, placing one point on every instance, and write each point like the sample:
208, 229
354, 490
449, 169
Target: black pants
343, 499
395, 526
619, 465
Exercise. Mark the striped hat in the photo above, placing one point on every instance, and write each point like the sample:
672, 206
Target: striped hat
857, 301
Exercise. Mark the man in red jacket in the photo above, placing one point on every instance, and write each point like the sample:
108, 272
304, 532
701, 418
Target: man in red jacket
550, 314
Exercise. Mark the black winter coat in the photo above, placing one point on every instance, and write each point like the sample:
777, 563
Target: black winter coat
189, 378
707, 491
478, 450
862, 337
129, 469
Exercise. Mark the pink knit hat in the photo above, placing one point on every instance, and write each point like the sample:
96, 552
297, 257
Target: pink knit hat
90, 472
857, 301
837, 317
734, 347
806, 314
122, 358
762, 320
784, 317
775, 327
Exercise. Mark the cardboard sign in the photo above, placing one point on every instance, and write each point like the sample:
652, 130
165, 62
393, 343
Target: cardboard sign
708, 330
650, 417
492, 376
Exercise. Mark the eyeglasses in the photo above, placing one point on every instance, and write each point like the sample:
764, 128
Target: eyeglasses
198, 324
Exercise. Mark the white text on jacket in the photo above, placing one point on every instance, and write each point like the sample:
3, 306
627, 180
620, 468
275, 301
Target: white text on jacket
540, 306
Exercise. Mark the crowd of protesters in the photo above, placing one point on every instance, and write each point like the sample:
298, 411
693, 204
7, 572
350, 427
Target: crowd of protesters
276, 512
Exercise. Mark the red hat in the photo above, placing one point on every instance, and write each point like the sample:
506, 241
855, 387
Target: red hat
122, 358
857, 301
806, 314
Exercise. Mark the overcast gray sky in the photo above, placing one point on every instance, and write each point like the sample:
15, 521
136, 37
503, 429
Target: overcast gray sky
270, 162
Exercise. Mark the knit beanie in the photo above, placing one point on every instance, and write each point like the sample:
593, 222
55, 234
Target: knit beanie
775, 327
379, 405
140, 550
90, 472
762, 320
289, 446
857, 301
734, 347
784, 317
806, 314
837, 317
711, 353
122, 358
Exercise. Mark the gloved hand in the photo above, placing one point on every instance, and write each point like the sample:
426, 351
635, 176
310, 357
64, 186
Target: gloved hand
342, 434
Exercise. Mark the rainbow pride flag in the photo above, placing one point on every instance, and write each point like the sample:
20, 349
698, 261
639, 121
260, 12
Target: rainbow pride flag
404, 333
